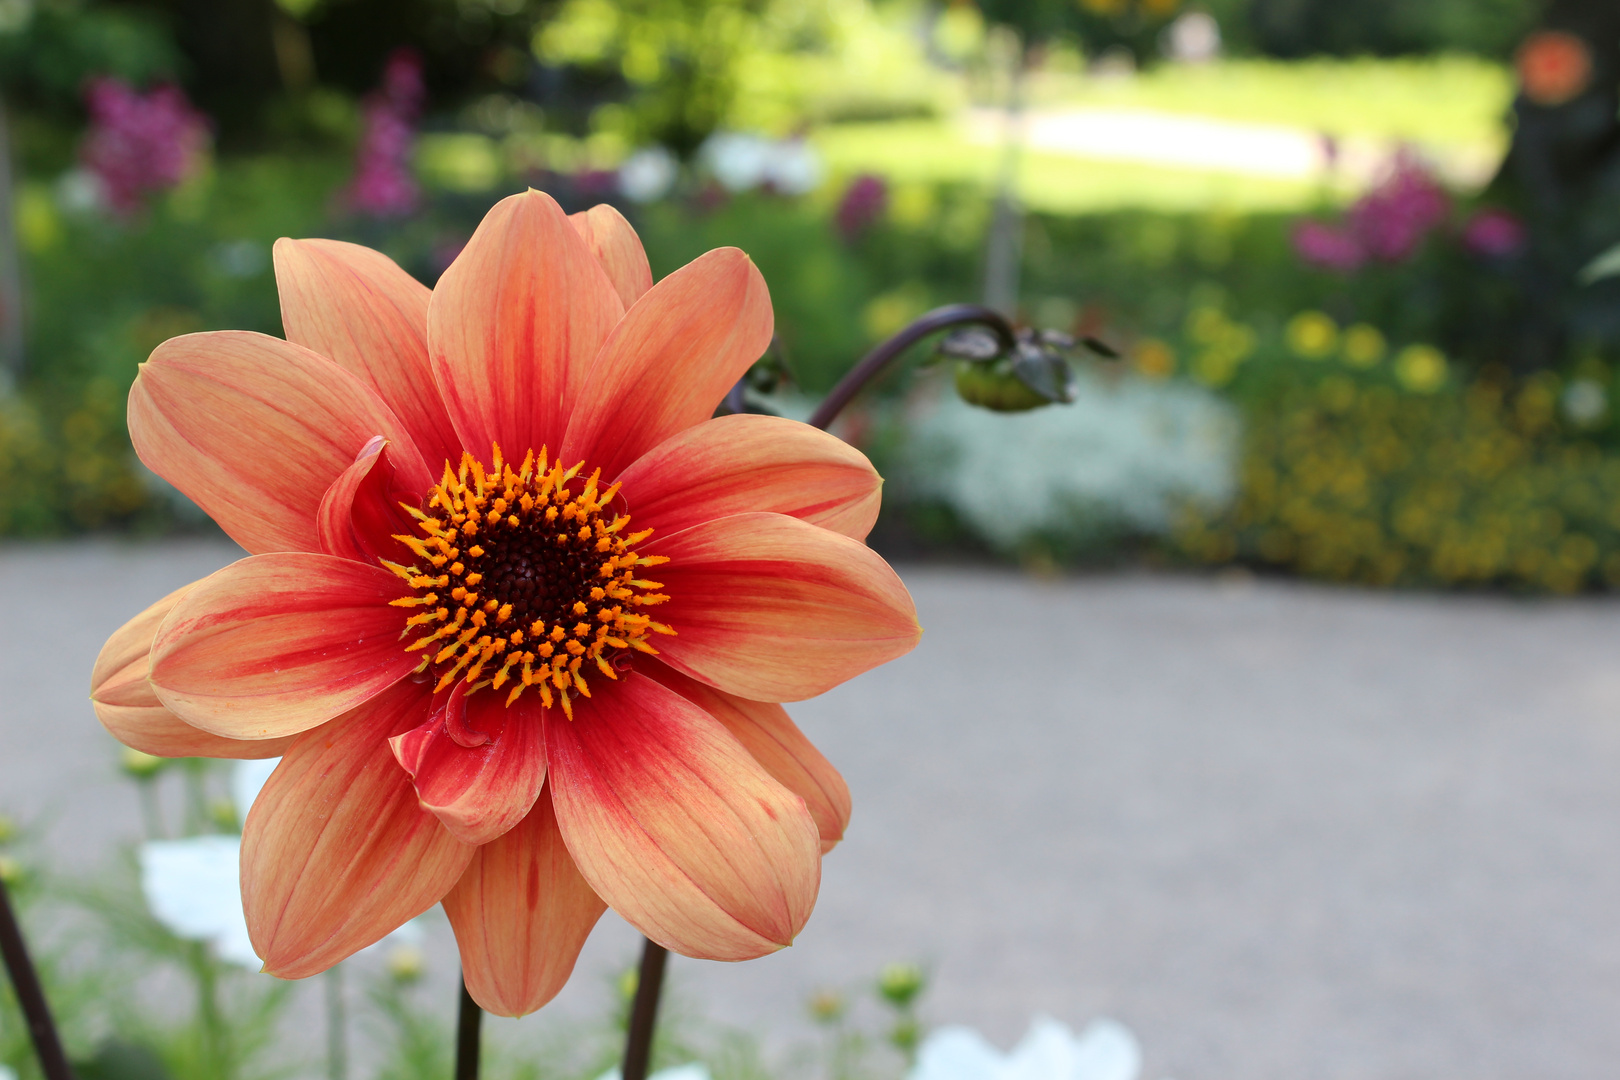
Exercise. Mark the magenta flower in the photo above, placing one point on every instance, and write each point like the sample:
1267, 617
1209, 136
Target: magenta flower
140, 143
862, 205
1493, 233
382, 184
1392, 220
1327, 247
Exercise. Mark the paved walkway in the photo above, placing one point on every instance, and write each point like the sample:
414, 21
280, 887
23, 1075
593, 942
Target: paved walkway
1281, 831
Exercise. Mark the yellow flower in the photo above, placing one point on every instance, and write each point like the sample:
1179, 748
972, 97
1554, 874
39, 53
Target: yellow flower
1362, 345
1154, 359
1420, 368
1312, 335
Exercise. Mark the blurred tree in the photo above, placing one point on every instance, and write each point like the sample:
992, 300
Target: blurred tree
1562, 175
1291, 28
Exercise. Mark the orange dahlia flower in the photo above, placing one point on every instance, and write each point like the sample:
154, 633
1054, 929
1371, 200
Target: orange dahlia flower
517, 612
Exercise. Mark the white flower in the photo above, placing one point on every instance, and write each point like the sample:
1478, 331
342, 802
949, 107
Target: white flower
792, 167
194, 886
648, 174
738, 161
695, 1070
1106, 1050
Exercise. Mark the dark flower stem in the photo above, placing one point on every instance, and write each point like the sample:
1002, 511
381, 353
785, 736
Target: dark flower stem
467, 1036
644, 1012
650, 984
30, 995
877, 361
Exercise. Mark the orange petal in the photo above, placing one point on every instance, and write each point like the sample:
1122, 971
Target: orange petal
521, 913
275, 644
360, 514
771, 608
129, 708
673, 824
356, 307
477, 764
775, 742
254, 429
737, 464
671, 360
335, 852
618, 248
514, 323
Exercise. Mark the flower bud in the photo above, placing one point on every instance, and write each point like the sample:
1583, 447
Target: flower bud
406, 964
827, 1007
900, 984
11, 871
140, 766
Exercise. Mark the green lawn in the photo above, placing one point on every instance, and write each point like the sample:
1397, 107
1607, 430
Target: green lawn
1450, 105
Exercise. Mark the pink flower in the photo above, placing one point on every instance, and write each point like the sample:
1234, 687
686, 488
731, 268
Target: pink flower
862, 205
382, 184
1393, 219
1494, 233
1327, 247
140, 143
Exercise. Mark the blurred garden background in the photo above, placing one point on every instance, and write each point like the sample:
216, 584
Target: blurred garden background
1359, 261
1351, 255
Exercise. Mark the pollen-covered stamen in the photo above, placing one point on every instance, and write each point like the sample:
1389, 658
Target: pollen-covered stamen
523, 578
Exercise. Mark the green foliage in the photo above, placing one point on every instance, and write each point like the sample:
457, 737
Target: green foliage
55, 45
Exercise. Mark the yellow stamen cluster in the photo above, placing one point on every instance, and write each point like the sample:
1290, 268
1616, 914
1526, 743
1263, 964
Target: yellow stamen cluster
524, 581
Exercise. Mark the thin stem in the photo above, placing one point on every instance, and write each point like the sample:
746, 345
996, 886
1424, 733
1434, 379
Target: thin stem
644, 1013
30, 995
873, 363
467, 1036
337, 1026
215, 1035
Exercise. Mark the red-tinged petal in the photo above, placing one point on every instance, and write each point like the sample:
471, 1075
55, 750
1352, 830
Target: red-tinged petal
336, 852
771, 736
681, 831
275, 644
478, 765
771, 608
129, 708
671, 360
360, 514
514, 323
254, 429
617, 247
744, 463
521, 913
358, 308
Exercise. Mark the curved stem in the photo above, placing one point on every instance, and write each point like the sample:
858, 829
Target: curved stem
875, 362
30, 995
467, 1036
644, 1013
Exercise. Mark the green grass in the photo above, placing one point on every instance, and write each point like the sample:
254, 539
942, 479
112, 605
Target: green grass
1446, 100
927, 151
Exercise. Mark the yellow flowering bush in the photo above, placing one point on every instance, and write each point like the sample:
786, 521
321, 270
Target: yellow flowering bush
1392, 472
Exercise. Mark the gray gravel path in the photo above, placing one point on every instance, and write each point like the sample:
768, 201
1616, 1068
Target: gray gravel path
1281, 831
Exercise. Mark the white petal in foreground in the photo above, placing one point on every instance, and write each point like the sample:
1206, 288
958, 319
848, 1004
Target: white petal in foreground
694, 1070
1106, 1050
193, 887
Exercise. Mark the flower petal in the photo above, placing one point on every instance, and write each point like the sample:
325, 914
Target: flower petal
356, 307
770, 735
254, 429
477, 764
737, 464
360, 514
673, 824
617, 247
514, 324
335, 852
671, 360
129, 708
772, 608
521, 913
275, 644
